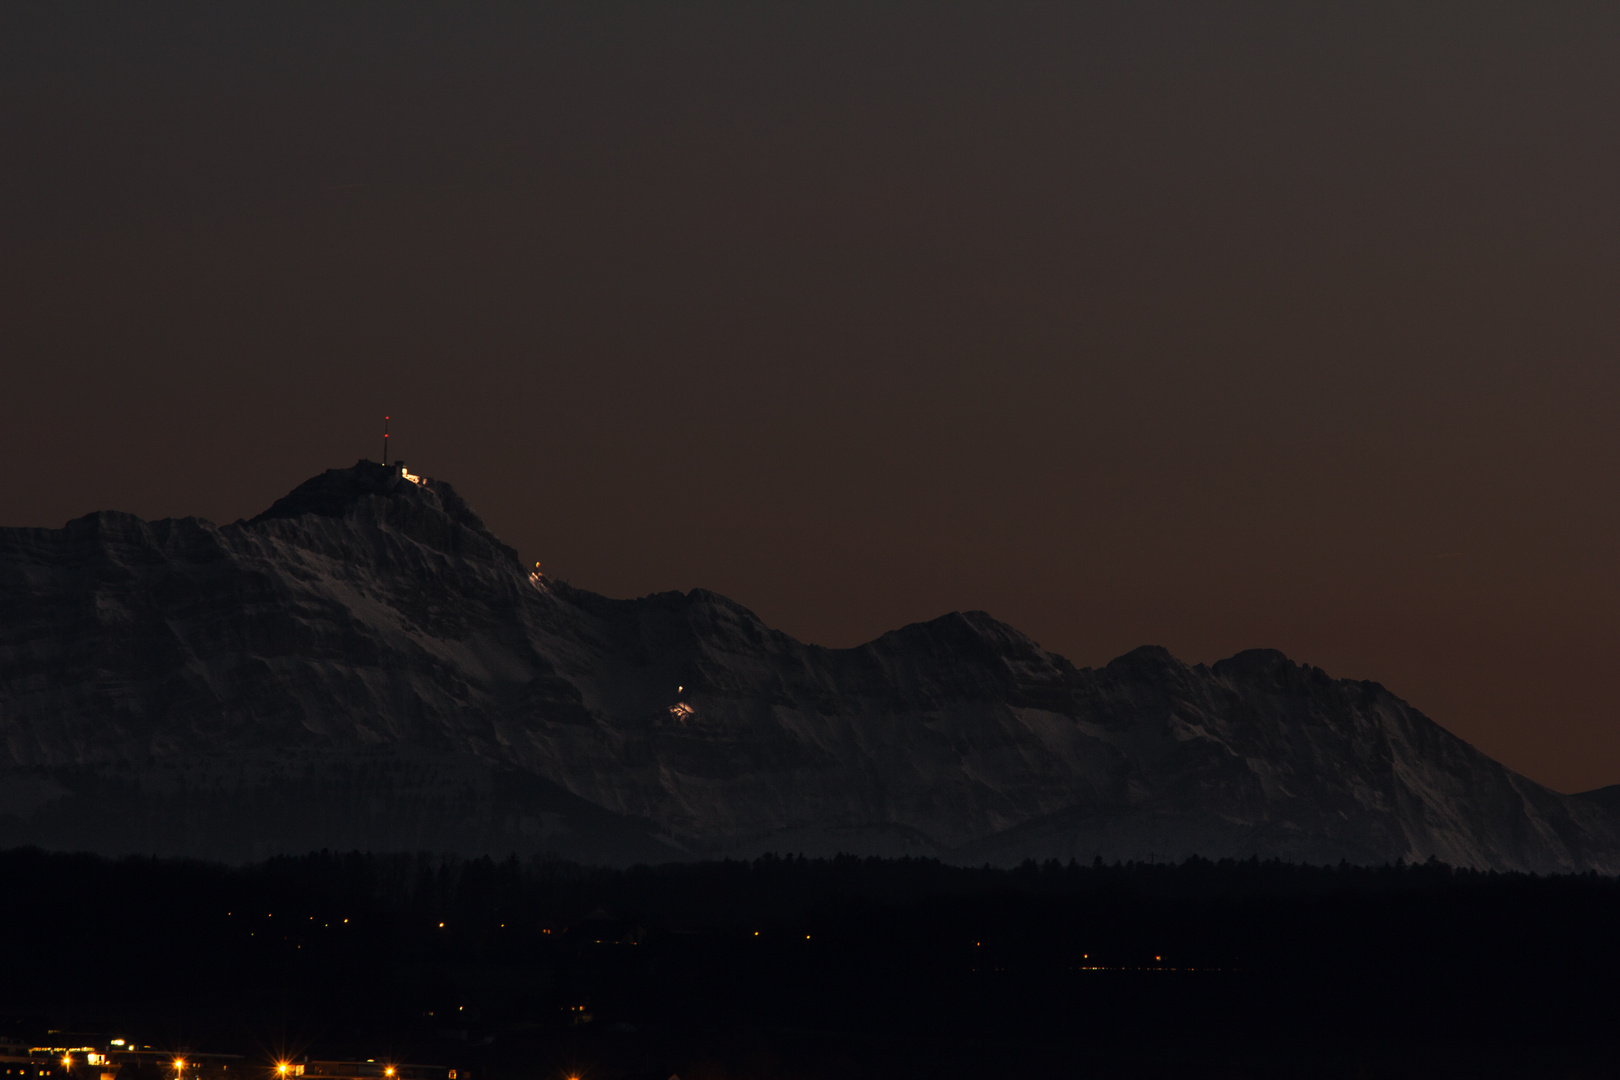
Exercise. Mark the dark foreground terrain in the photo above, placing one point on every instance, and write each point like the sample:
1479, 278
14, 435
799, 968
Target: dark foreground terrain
787, 967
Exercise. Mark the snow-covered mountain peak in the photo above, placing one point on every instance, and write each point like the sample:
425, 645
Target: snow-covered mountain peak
339, 492
369, 495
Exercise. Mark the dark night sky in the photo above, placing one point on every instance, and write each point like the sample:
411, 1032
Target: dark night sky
1206, 326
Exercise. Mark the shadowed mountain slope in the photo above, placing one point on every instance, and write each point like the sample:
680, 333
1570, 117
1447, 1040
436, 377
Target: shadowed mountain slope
365, 666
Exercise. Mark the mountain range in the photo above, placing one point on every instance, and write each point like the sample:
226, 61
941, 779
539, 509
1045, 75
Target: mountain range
366, 666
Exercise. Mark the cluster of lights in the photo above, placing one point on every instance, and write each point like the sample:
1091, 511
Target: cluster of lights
287, 1068
283, 1070
92, 1056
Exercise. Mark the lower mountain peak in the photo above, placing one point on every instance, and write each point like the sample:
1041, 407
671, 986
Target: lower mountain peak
1146, 661
966, 631
1268, 668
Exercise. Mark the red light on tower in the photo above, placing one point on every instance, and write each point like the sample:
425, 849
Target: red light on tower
385, 440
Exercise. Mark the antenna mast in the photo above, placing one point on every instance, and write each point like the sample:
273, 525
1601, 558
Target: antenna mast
385, 440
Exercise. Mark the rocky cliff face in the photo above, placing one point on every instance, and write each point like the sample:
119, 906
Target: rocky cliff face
365, 665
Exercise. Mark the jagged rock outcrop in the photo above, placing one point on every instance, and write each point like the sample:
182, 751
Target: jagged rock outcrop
365, 665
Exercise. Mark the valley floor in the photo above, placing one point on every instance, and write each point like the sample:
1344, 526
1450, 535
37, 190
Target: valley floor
808, 968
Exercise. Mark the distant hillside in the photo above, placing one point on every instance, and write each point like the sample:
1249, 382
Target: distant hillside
366, 666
